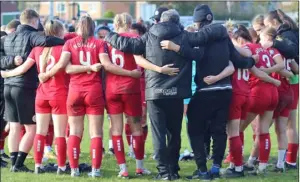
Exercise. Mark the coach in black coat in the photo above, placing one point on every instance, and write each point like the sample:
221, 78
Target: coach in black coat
165, 94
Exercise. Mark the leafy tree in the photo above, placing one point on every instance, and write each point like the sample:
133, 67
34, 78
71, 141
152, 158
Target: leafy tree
109, 14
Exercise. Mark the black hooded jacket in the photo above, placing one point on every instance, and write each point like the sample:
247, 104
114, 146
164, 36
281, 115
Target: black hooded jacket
215, 59
20, 43
287, 42
160, 86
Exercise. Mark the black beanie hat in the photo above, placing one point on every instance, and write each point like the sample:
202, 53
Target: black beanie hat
202, 12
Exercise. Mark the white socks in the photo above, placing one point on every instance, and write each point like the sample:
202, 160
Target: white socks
140, 164
1, 151
251, 160
262, 166
47, 149
110, 144
123, 167
280, 160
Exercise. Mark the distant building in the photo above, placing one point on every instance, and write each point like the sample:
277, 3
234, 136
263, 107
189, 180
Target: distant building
68, 9
9, 11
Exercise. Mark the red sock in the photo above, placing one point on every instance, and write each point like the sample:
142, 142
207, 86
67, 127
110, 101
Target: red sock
73, 149
50, 136
23, 131
242, 137
291, 155
145, 132
235, 146
96, 152
118, 145
253, 137
264, 147
138, 145
128, 133
38, 147
4, 134
61, 151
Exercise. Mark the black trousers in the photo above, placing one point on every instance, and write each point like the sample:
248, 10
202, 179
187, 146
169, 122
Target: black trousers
166, 122
208, 113
2, 104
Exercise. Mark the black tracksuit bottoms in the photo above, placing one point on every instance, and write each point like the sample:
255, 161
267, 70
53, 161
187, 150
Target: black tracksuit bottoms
2, 103
166, 122
208, 113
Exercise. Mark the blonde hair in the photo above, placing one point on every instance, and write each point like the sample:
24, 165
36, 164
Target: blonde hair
230, 25
123, 20
53, 28
190, 28
28, 15
259, 20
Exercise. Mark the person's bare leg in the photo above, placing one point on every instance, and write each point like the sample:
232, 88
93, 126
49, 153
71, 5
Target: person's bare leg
13, 141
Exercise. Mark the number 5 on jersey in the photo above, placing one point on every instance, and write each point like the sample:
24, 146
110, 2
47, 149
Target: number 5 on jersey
115, 57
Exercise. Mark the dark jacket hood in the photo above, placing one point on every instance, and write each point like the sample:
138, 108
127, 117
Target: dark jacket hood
21, 28
283, 28
166, 30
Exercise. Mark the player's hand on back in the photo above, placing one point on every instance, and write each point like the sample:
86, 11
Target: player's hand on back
168, 70
277, 83
96, 67
169, 45
136, 73
18, 60
210, 79
3, 74
43, 77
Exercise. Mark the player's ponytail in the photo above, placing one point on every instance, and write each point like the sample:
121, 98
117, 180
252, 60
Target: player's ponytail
54, 28
123, 21
242, 31
271, 32
287, 20
86, 28
44, 58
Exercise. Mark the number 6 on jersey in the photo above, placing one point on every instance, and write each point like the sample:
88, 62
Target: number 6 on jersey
115, 56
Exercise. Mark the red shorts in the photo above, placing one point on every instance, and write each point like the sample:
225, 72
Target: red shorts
285, 101
238, 107
295, 88
80, 103
263, 97
50, 106
130, 104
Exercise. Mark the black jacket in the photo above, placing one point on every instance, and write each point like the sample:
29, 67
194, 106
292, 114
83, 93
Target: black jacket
20, 43
215, 59
159, 86
287, 42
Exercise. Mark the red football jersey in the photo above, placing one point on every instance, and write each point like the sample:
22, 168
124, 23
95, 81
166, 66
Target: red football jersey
56, 87
239, 82
116, 84
264, 60
285, 85
86, 55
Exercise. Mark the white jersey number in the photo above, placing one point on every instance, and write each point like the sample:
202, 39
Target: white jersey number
88, 60
243, 74
50, 63
287, 63
266, 59
115, 56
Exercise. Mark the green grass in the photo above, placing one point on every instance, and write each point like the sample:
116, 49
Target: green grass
110, 169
